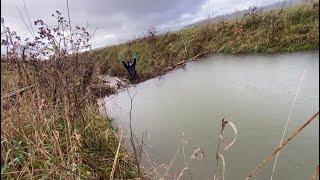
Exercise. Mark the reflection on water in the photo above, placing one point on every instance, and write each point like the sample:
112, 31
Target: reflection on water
255, 92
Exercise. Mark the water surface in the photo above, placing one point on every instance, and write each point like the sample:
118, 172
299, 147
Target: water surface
255, 92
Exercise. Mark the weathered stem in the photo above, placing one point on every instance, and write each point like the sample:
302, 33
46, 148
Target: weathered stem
131, 133
270, 156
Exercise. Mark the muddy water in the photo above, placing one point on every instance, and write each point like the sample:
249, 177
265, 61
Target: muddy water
255, 92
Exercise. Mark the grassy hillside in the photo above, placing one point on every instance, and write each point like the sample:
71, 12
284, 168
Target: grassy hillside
236, 14
291, 29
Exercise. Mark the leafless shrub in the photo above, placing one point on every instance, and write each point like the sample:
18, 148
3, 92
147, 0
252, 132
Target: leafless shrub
132, 139
49, 127
151, 33
51, 61
254, 15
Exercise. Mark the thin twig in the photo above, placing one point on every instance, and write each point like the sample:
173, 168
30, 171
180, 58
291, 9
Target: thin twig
223, 122
69, 21
141, 145
182, 63
198, 153
28, 18
25, 23
288, 120
14, 93
284, 2
271, 155
116, 157
154, 169
223, 165
131, 132
172, 160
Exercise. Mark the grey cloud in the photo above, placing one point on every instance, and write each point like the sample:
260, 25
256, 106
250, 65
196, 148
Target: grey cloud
119, 20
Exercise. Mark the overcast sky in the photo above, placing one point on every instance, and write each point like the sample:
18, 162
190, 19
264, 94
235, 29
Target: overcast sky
120, 20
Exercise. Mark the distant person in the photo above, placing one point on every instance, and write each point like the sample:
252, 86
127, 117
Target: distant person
131, 68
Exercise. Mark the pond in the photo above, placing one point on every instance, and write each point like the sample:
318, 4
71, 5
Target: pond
255, 92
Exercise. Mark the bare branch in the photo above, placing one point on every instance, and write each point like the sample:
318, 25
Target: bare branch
288, 120
271, 155
25, 23
28, 18
131, 132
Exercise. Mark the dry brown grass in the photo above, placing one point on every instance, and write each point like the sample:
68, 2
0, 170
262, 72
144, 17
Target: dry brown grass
54, 130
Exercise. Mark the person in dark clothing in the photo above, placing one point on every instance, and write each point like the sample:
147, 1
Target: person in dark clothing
131, 68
